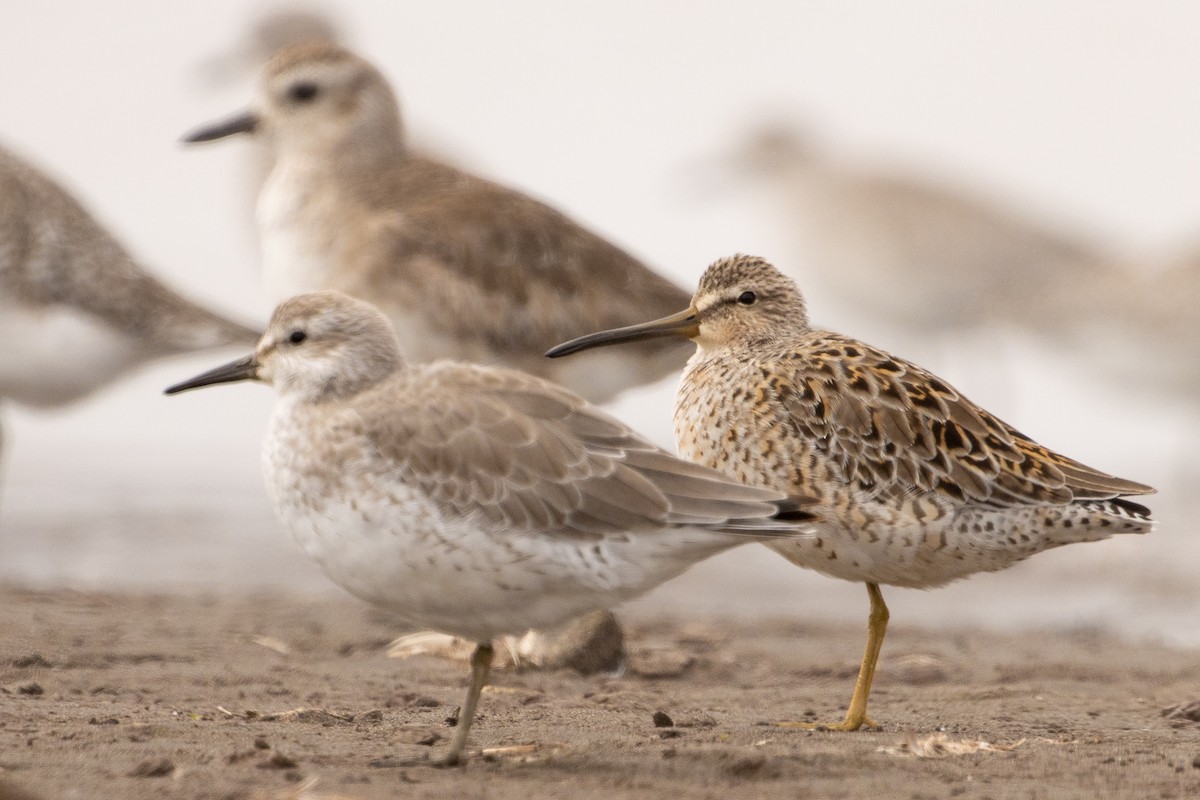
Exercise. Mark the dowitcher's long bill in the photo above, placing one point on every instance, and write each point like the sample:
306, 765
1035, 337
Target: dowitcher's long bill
918, 485
464, 268
684, 323
478, 502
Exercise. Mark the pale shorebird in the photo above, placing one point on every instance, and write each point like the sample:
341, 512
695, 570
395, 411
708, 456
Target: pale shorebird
918, 485
478, 502
465, 268
76, 309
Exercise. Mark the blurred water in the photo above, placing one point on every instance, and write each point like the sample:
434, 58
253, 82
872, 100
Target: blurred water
1087, 114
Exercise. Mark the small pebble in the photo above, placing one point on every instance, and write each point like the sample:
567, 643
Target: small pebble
278, 761
31, 660
153, 768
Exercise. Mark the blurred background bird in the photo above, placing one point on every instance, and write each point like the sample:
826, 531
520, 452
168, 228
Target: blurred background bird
914, 251
77, 311
465, 268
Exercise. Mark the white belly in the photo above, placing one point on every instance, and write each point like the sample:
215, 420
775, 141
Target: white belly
454, 578
923, 555
391, 545
52, 356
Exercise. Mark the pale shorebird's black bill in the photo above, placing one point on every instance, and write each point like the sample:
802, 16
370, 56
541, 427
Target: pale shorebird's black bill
244, 369
242, 123
686, 323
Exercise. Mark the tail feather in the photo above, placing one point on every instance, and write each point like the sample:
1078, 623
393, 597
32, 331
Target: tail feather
792, 519
1136, 510
797, 508
1117, 516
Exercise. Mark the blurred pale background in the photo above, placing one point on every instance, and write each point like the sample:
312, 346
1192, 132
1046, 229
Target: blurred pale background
1082, 116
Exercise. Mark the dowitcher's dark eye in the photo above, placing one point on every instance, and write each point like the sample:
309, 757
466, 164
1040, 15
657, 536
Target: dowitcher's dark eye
747, 298
296, 337
302, 92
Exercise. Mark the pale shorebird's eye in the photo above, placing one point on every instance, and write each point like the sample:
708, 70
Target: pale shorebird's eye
297, 337
302, 92
747, 298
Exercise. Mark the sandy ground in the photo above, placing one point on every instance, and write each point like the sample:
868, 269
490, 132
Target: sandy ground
136, 695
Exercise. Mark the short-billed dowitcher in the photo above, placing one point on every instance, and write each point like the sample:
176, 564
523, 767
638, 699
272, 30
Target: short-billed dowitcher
465, 268
76, 309
918, 485
479, 502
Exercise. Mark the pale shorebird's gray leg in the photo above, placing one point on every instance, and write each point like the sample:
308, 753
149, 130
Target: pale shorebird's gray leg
856, 715
481, 664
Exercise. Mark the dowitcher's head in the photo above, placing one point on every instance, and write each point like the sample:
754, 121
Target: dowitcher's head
740, 299
318, 346
319, 99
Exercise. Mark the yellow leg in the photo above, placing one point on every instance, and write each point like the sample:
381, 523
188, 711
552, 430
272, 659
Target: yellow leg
856, 715
481, 663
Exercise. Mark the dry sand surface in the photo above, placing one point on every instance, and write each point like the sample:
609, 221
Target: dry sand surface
124, 695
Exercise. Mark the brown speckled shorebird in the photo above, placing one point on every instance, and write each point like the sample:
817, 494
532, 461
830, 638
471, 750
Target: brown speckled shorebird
918, 485
478, 502
463, 267
76, 309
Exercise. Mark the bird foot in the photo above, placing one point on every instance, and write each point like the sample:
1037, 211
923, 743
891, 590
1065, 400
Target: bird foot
441, 762
591, 644
845, 725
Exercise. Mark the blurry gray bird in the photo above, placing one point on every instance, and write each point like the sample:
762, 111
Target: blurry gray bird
463, 267
76, 309
920, 254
